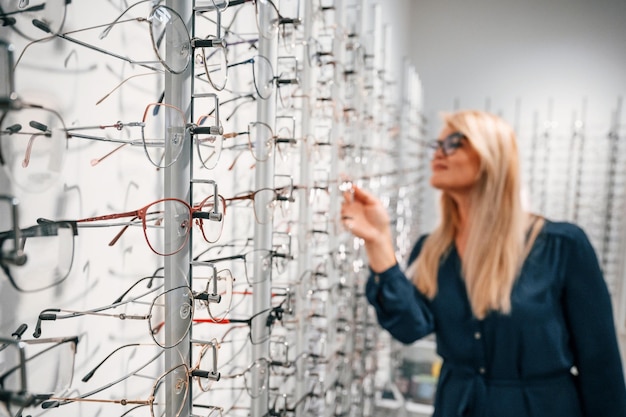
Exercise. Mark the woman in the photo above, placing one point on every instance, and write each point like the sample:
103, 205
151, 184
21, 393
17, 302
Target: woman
518, 303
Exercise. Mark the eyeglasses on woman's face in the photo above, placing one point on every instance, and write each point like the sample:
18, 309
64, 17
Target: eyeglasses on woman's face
449, 144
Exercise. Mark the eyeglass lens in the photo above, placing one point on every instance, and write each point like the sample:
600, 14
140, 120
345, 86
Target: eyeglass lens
170, 38
449, 144
178, 320
170, 390
50, 261
209, 145
163, 142
32, 145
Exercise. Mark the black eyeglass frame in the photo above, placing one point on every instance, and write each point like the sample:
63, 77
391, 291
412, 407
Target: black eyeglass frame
449, 144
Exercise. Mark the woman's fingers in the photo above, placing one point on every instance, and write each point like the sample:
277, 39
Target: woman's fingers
363, 196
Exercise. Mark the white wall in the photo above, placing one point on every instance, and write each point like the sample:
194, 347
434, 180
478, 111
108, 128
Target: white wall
468, 53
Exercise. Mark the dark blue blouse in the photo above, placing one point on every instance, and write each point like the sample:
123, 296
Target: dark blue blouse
554, 355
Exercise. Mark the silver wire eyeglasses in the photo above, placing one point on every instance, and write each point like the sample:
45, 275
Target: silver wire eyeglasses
181, 300
167, 30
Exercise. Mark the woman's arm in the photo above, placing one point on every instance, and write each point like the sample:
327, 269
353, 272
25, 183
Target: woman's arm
400, 308
365, 217
588, 311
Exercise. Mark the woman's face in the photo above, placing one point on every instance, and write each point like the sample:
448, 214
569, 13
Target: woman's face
455, 164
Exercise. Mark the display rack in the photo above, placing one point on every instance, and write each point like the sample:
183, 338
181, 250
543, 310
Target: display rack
281, 106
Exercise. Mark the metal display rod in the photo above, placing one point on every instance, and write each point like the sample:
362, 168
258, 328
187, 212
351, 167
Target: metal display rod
264, 178
176, 184
304, 209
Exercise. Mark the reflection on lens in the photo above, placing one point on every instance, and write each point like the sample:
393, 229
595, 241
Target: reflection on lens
225, 289
207, 363
267, 19
215, 66
170, 39
264, 205
257, 379
261, 140
169, 326
208, 145
211, 229
171, 216
163, 134
171, 390
263, 74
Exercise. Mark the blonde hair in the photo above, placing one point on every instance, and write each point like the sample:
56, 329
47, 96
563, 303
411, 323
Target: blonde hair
495, 246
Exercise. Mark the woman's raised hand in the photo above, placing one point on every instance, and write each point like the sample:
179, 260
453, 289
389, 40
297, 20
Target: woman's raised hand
364, 215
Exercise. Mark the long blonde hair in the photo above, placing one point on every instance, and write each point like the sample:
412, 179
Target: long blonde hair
497, 222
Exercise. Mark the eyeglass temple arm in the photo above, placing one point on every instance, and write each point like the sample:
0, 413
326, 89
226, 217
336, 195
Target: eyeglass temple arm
135, 214
17, 255
89, 374
44, 27
17, 335
56, 402
121, 232
48, 314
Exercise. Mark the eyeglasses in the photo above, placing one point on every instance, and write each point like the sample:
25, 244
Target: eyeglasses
264, 257
319, 54
255, 376
218, 287
449, 144
261, 140
173, 216
268, 12
204, 369
167, 30
19, 17
182, 298
169, 391
34, 370
33, 156
268, 18
155, 138
50, 250
264, 201
268, 317
282, 406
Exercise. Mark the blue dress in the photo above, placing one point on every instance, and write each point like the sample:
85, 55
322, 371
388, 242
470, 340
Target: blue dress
554, 355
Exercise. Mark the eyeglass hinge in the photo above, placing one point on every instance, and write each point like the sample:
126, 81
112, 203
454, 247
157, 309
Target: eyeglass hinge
207, 43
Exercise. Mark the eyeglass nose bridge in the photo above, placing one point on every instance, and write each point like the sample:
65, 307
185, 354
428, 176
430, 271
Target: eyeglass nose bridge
438, 146
449, 144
